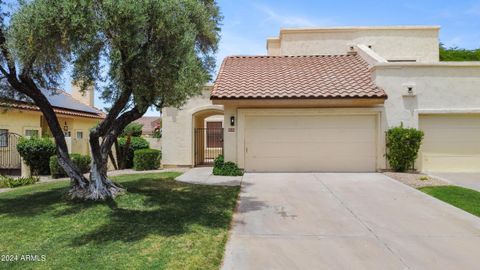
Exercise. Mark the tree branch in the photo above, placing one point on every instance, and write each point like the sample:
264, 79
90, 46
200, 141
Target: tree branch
120, 103
6, 54
117, 127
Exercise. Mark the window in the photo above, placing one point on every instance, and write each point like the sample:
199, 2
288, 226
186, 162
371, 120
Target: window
31, 133
3, 137
79, 135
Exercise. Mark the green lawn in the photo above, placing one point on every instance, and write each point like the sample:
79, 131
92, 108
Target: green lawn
158, 224
463, 198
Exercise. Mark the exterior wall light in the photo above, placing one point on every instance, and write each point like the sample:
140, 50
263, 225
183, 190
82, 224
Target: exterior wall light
232, 121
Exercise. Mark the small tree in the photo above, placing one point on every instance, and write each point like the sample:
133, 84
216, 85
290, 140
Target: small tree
132, 129
145, 53
402, 147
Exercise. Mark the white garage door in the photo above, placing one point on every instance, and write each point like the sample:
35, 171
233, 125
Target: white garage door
451, 143
329, 143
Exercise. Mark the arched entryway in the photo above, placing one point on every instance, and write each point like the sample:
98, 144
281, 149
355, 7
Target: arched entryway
207, 136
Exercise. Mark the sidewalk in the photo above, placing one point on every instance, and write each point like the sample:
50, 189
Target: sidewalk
203, 176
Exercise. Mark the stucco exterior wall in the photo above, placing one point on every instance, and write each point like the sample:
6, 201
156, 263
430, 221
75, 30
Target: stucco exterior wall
230, 134
81, 145
18, 121
177, 130
392, 43
441, 88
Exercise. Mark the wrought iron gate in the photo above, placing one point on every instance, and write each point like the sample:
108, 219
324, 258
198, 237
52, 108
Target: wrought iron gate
208, 145
9, 156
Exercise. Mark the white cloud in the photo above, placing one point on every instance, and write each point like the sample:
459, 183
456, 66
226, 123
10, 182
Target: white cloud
289, 20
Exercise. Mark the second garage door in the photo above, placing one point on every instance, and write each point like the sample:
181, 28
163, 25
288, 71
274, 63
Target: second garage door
451, 143
299, 143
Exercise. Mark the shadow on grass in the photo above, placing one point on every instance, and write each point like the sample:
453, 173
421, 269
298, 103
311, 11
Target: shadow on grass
32, 204
171, 208
151, 206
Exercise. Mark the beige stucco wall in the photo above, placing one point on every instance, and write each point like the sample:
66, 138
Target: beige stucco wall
18, 121
392, 43
177, 130
440, 88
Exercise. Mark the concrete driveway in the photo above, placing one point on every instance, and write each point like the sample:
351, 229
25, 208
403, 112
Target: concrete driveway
347, 221
468, 180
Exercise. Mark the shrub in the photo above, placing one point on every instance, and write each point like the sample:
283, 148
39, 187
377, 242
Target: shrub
132, 129
34, 151
225, 168
423, 178
157, 133
402, 147
147, 159
82, 162
218, 161
17, 182
136, 143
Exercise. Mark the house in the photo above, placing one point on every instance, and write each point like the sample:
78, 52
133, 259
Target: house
322, 99
76, 114
150, 124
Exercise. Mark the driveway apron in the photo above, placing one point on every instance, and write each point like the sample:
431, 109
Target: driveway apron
346, 221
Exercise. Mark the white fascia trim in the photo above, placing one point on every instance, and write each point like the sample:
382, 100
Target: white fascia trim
369, 55
447, 111
418, 112
472, 64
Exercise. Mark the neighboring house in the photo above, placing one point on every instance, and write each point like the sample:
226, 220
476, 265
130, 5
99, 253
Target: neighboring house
150, 124
322, 99
75, 112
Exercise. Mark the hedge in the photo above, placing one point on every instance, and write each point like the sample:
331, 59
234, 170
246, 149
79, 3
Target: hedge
136, 143
9, 182
35, 152
220, 167
147, 159
402, 147
82, 162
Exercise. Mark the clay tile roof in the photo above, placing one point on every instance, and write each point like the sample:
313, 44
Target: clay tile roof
326, 76
150, 123
31, 107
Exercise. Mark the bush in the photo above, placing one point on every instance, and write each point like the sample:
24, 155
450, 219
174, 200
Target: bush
402, 147
82, 162
136, 143
147, 159
34, 151
132, 129
17, 182
225, 168
157, 133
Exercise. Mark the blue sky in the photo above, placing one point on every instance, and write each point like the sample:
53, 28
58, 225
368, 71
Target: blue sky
247, 23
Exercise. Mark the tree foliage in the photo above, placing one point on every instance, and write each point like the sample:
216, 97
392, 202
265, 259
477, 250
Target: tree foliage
458, 54
137, 54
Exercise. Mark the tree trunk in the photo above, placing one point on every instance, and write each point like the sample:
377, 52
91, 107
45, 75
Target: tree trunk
101, 187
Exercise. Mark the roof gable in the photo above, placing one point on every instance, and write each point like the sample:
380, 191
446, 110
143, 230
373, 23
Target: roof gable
319, 76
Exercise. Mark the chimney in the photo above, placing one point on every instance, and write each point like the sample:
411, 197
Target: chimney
86, 97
